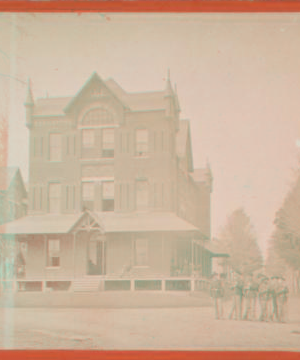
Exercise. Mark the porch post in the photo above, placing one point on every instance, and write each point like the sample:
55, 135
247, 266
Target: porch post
45, 267
74, 254
162, 252
103, 245
192, 273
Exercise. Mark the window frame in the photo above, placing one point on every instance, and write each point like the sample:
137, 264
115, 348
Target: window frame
138, 205
58, 198
53, 254
88, 142
57, 158
108, 147
140, 144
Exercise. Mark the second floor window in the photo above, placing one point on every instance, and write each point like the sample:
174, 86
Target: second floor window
141, 142
88, 138
108, 143
142, 196
54, 197
55, 147
88, 195
108, 196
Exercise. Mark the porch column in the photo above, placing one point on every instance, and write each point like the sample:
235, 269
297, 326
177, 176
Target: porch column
45, 267
74, 255
192, 273
162, 252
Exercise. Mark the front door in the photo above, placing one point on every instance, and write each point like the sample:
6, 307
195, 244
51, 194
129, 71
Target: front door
96, 258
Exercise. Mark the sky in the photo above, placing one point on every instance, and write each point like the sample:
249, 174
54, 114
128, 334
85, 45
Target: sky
238, 81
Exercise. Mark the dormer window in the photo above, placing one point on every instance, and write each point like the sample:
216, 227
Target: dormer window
141, 142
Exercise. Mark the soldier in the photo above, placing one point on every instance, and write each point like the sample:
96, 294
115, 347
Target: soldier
237, 288
263, 296
217, 293
254, 288
250, 293
282, 297
272, 301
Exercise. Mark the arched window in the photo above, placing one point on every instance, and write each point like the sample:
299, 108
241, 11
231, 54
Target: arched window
98, 116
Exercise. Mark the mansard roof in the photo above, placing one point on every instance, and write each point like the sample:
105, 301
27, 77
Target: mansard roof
134, 101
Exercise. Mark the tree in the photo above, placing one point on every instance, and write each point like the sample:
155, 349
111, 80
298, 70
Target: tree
240, 242
286, 237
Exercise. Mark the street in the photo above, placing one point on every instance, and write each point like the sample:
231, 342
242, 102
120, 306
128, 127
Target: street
189, 328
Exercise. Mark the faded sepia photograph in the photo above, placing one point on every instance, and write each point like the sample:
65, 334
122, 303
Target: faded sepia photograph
150, 181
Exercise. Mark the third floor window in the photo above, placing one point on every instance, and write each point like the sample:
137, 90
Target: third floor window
141, 142
55, 147
88, 138
108, 142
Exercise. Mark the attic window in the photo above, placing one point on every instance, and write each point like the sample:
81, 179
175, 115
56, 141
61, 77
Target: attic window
98, 116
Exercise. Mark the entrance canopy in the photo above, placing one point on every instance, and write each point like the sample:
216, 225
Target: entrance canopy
106, 222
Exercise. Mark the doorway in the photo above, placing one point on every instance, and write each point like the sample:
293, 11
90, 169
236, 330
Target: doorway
96, 258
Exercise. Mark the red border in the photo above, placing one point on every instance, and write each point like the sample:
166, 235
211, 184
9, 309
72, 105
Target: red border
147, 355
149, 6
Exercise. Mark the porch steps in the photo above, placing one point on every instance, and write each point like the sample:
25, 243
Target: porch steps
86, 284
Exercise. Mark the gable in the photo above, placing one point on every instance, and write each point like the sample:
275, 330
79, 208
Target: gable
94, 90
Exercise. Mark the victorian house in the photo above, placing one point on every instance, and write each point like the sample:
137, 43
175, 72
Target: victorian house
114, 199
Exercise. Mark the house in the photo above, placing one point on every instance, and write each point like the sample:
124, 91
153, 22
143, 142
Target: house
13, 195
13, 205
114, 199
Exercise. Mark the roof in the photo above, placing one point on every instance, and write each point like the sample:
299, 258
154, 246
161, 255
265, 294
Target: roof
143, 221
216, 248
41, 224
51, 106
110, 222
139, 101
6, 176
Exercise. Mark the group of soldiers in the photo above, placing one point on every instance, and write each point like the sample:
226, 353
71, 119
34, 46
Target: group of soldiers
247, 290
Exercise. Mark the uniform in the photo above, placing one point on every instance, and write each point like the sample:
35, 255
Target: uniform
236, 309
272, 301
282, 297
217, 293
263, 296
250, 294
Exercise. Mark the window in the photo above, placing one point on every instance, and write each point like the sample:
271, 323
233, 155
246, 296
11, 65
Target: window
55, 147
98, 116
108, 142
141, 195
108, 196
88, 195
141, 252
54, 197
53, 252
88, 138
141, 142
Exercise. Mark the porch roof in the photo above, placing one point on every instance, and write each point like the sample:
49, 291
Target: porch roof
109, 222
143, 221
216, 249
41, 224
